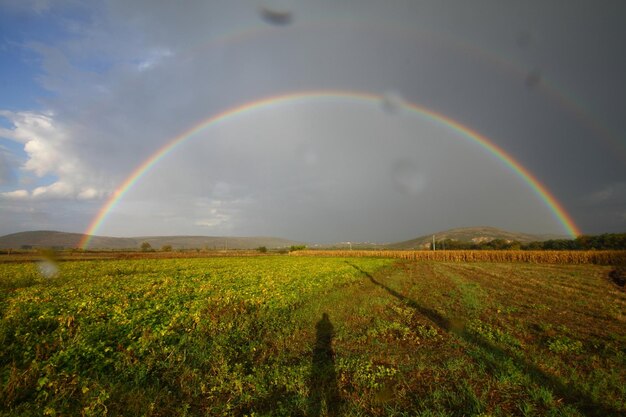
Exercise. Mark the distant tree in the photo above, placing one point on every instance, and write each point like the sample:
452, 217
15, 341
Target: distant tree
533, 246
165, 248
294, 248
585, 242
501, 244
262, 249
560, 244
145, 246
515, 245
614, 241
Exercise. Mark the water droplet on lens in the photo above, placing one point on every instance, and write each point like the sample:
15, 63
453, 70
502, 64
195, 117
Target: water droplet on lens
533, 78
276, 13
406, 177
392, 102
48, 269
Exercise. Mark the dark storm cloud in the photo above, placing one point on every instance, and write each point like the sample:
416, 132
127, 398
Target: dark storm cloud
143, 72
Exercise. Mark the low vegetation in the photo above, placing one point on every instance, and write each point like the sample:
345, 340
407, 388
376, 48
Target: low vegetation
310, 336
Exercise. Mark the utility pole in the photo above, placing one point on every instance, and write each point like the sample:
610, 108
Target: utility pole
434, 248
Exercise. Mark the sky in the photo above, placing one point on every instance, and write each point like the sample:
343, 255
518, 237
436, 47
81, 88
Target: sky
362, 146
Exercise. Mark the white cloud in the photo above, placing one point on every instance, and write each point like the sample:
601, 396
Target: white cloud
611, 193
43, 141
216, 213
153, 58
89, 193
36, 6
50, 150
58, 189
218, 220
17, 195
25, 124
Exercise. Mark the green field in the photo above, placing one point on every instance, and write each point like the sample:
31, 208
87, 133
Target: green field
281, 335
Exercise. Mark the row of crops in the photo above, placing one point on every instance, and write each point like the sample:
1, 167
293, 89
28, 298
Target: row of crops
550, 257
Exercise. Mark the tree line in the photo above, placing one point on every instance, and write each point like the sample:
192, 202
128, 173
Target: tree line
606, 241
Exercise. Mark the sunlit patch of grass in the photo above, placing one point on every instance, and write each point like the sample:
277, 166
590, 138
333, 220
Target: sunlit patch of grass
564, 344
491, 333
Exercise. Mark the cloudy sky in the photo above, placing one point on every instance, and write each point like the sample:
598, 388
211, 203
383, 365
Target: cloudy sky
90, 90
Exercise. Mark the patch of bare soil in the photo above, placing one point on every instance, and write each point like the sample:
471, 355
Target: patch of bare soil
618, 276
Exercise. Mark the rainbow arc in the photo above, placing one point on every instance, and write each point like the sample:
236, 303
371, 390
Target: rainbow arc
542, 192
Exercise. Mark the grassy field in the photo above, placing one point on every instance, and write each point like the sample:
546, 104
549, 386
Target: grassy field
280, 335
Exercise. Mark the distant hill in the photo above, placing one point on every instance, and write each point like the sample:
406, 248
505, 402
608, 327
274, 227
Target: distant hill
54, 239
215, 242
472, 234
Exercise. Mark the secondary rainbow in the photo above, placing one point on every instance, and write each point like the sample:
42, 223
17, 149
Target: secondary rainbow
540, 190
558, 94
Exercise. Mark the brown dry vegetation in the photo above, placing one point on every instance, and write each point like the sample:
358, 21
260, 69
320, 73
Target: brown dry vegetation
538, 257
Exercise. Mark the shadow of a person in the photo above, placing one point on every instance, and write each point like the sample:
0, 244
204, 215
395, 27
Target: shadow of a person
323, 380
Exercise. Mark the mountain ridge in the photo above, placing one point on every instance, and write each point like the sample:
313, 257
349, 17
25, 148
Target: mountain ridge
66, 240
475, 234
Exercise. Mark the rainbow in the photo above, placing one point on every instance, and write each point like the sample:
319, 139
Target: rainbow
540, 190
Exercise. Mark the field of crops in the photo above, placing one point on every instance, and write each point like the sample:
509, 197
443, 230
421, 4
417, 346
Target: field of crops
605, 257
310, 336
